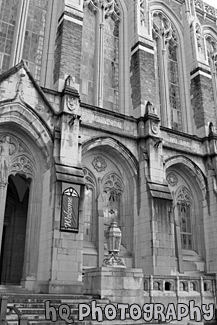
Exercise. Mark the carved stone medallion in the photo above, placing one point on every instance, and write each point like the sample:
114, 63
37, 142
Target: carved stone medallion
99, 164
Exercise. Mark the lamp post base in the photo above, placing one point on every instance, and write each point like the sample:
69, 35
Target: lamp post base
113, 260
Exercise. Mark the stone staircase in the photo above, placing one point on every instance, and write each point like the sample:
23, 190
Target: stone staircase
32, 306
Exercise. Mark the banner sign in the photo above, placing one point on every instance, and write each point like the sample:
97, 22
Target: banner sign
70, 211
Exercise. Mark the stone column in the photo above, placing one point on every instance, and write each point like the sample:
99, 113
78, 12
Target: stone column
142, 68
4, 163
67, 253
3, 194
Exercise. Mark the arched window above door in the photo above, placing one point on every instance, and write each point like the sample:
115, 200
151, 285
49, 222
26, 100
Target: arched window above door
89, 206
113, 189
184, 204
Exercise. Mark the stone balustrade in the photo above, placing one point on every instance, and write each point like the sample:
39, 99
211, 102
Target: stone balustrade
180, 288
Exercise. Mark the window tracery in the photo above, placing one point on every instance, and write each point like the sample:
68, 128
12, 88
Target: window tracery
8, 16
167, 71
212, 52
100, 64
28, 46
211, 46
90, 188
34, 36
184, 204
112, 193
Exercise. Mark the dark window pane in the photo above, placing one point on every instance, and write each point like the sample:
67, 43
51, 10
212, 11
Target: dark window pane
34, 36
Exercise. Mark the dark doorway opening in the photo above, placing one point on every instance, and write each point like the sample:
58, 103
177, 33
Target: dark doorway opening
14, 230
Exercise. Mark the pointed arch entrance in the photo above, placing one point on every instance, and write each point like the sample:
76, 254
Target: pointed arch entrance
188, 189
14, 229
21, 174
110, 171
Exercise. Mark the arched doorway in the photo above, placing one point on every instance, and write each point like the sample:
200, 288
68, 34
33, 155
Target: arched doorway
14, 230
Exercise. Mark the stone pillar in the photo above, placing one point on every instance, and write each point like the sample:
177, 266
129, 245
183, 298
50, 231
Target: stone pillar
3, 194
156, 238
143, 81
4, 164
67, 253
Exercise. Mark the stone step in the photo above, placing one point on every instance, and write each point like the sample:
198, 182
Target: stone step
33, 306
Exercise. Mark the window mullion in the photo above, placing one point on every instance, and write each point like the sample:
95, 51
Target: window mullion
165, 90
20, 34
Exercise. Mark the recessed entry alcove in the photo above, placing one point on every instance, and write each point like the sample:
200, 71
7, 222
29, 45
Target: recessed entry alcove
14, 230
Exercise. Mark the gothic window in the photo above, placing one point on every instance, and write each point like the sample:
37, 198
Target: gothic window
89, 209
167, 70
17, 16
88, 55
34, 36
111, 65
211, 45
112, 193
184, 204
8, 17
174, 89
100, 54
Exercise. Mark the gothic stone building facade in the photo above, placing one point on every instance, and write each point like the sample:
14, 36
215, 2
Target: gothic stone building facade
115, 102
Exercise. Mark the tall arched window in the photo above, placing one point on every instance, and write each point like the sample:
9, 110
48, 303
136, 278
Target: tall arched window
89, 206
112, 194
100, 54
211, 46
167, 70
22, 26
34, 36
184, 204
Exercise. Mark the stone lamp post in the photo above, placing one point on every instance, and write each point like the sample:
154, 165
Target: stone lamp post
113, 236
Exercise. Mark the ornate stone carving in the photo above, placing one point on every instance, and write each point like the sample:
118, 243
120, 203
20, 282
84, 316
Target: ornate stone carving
199, 4
209, 9
113, 183
113, 188
113, 260
19, 86
16, 156
172, 179
199, 37
163, 27
70, 82
212, 50
142, 12
110, 7
92, 4
184, 195
22, 164
150, 109
72, 103
99, 164
4, 159
89, 178
154, 127
206, 8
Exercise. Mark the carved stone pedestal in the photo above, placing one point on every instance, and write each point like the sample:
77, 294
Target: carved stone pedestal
119, 285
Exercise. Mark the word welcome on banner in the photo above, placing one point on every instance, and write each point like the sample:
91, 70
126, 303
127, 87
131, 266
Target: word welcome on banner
70, 211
